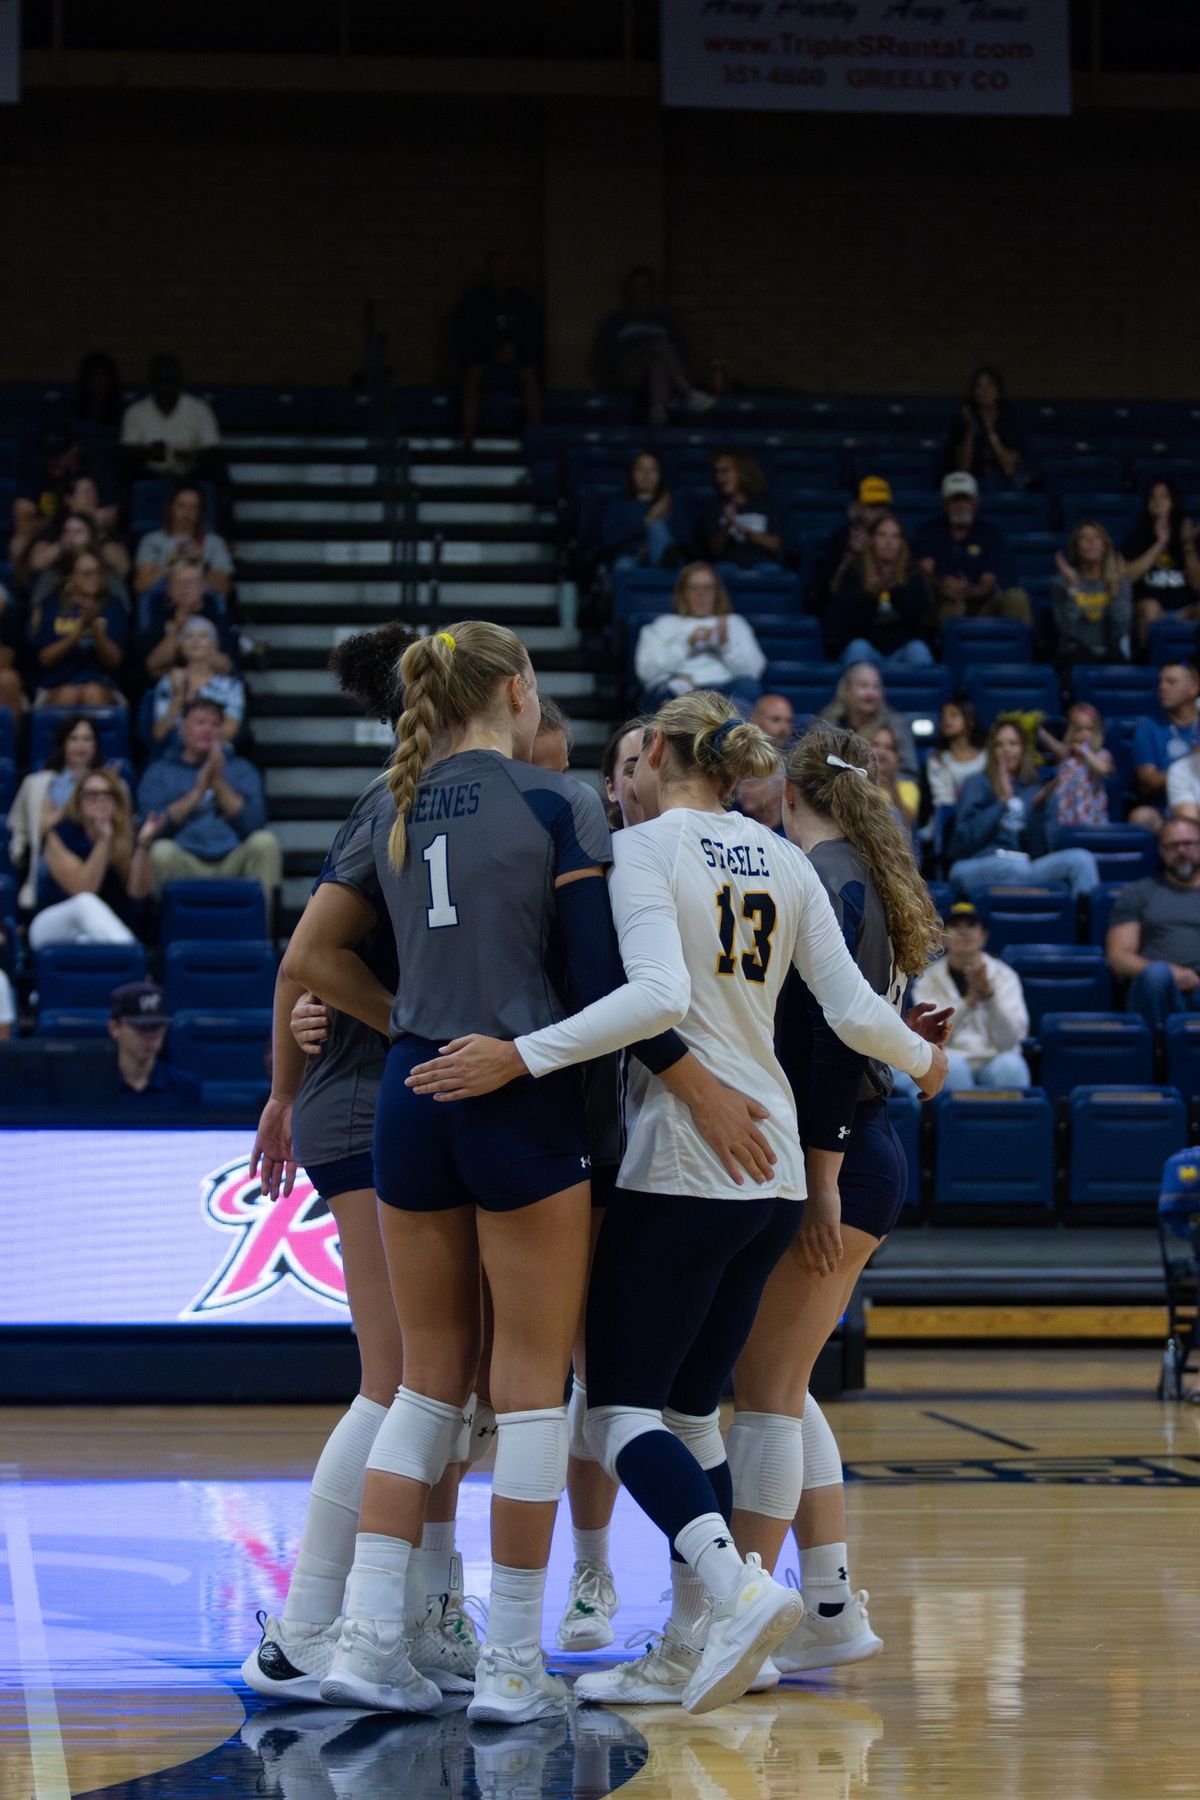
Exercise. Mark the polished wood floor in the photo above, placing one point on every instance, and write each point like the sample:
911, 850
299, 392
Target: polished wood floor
1028, 1525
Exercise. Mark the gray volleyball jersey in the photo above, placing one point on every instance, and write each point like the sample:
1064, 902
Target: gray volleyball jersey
472, 911
333, 1115
859, 911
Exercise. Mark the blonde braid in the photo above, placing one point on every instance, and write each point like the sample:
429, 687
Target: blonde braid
422, 671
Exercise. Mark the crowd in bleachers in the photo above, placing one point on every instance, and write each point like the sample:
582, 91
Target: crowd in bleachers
124, 743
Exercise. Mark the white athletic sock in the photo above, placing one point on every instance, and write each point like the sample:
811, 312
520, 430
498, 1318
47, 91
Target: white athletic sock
689, 1603
591, 1546
824, 1577
318, 1581
705, 1543
376, 1588
515, 1608
436, 1557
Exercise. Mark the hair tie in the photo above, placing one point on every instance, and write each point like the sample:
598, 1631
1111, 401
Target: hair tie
446, 638
718, 737
836, 762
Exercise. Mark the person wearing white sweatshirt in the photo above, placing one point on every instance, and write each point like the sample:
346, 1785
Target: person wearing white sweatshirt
702, 644
990, 1014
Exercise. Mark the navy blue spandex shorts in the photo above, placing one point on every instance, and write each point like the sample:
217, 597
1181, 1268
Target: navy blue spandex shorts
501, 1151
345, 1175
874, 1178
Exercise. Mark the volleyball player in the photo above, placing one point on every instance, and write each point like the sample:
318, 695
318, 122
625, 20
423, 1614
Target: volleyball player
474, 860
711, 909
857, 1176
321, 1114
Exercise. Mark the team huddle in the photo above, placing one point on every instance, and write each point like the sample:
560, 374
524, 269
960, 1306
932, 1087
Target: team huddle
599, 1104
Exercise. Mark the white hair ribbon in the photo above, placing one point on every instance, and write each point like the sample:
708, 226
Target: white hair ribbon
836, 762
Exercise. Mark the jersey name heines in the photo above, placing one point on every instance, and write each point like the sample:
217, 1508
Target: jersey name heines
459, 801
735, 859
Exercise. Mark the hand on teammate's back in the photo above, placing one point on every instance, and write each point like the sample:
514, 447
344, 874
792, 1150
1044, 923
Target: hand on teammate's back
727, 1121
310, 1023
468, 1067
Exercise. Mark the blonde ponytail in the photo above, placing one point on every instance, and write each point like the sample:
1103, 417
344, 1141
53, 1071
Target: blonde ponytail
834, 772
448, 679
708, 734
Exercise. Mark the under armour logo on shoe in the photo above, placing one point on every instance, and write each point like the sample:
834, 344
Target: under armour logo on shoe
721, 1543
843, 1131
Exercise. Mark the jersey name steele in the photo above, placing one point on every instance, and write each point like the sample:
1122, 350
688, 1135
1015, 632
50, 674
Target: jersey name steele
434, 803
735, 859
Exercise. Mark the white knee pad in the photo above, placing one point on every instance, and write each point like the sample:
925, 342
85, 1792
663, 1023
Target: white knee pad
822, 1458
483, 1433
418, 1437
766, 1460
701, 1432
581, 1450
610, 1428
531, 1454
462, 1443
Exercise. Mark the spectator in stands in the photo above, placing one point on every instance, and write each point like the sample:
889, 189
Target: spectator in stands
640, 350
8, 1002
1000, 833
1161, 560
775, 715
739, 525
80, 519
616, 768
78, 639
184, 535
170, 432
183, 597
42, 797
197, 672
1183, 787
95, 874
49, 557
1157, 747
959, 753
860, 704
1153, 939
873, 501
879, 611
213, 802
496, 327
702, 644
902, 790
1078, 794
1093, 601
99, 392
965, 560
552, 746
643, 528
12, 692
991, 1018
985, 440
137, 1024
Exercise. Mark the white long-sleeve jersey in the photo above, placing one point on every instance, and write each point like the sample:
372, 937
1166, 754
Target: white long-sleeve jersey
711, 911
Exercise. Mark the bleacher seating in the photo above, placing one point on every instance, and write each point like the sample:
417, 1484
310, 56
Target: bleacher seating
1026, 915
81, 977
1183, 1054
1081, 1049
1012, 687
213, 908
1120, 1138
8, 782
1060, 977
970, 643
1117, 690
1099, 906
1172, 640
1123, 853
225, 1052
218, 974
995, 1148
8, 735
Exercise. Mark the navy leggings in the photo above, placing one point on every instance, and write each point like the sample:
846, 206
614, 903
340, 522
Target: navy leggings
675, 1286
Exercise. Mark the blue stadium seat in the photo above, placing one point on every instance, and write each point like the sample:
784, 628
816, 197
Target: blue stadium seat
774, 590
1115, 511
1123, 853
917, 690
915, 467
995, 1147
942, 895
1059, 978
1099, 906
9, 943
79, 977
1117, 690
788, 640
905, 1114
8, 734
111, 722
1026, 915
226, 1052
812, 687
1081, 470
8, 897
1172, 640
71, 1022
218, 974
1083, 1049
1013, 687
1120, 1138
642, 591
8, 782
216, 908
1182, 470
968, 643
1015, 509
790, 469
1183, 1053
